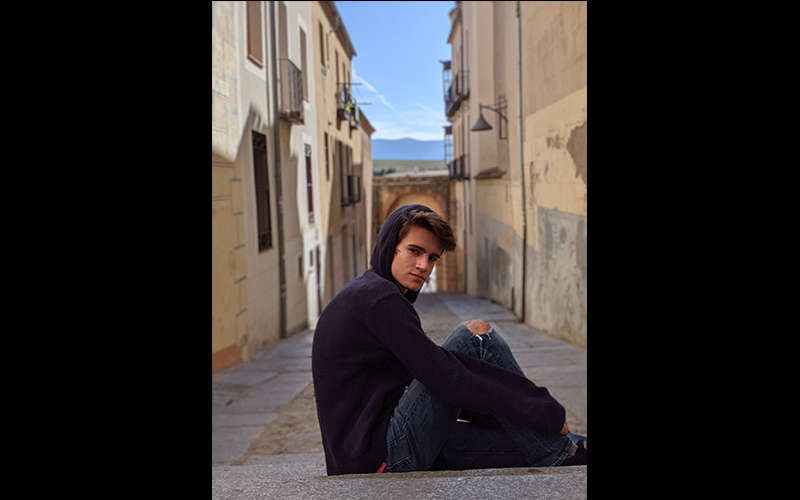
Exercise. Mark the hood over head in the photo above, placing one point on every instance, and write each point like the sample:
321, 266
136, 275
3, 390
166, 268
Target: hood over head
383, 255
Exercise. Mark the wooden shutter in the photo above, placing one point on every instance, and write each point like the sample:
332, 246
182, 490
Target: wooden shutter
254, 52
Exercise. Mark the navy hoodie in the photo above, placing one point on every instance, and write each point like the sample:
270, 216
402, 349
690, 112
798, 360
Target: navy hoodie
369, 345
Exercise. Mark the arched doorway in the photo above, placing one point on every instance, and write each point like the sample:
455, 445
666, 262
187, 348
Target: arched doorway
434, 201
429, 199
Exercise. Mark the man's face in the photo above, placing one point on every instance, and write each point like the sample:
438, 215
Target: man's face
414, 259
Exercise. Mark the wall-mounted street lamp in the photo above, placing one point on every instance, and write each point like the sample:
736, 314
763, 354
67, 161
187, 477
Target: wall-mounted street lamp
498, 108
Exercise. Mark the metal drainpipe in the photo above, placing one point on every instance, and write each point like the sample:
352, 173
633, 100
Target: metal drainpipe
278, 189
521, 164
464, 123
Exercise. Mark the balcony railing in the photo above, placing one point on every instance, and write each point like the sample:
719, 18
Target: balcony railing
456, 93
291, 105
459, 168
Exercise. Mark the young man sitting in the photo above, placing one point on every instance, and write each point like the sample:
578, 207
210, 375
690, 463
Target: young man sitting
390, 400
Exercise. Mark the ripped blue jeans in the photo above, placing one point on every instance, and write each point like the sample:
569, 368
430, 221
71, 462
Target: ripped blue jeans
425, 433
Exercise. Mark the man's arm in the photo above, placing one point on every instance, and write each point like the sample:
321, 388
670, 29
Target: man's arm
458, 379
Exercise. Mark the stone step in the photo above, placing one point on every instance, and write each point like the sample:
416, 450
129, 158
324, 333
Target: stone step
303, 476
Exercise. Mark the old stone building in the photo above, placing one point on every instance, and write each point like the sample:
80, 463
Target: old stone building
290, 158
516, 95
345, 157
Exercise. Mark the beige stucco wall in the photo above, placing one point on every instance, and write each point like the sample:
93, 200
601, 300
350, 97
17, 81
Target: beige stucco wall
364, 158
301, 237
555, 159
539, 251
324, 94
463, 57
319, 62
242, 102
258, 115
558, 217
555, 37
229, 318
343, 229
365, 149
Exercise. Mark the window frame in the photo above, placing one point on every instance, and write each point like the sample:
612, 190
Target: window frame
255, 43
261, 186
309, 184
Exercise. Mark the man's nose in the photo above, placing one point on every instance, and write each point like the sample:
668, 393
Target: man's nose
422, 262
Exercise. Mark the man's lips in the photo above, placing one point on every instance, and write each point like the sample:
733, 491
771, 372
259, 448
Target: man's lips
417, 276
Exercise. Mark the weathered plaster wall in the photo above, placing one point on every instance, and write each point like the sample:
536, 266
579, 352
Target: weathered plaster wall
556, 163
229, 317
496, 265
555, 132
558, 276
497, 242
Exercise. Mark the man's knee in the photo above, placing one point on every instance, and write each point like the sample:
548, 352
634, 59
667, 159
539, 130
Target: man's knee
478, 326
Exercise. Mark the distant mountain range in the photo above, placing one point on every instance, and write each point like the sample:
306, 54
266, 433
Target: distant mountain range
407, 149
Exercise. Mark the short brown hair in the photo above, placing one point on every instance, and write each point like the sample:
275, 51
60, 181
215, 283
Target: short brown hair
434, 223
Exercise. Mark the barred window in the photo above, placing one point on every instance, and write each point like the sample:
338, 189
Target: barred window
262, 191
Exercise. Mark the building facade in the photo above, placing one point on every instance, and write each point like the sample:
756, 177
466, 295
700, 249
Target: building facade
517, 99
291, 160
229, 318
345, 159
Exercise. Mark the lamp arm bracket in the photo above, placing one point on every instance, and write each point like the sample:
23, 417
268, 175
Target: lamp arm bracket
497, 110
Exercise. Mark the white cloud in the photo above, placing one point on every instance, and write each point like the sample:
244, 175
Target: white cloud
438, 114
385, 102
425, 125
366, 84
357, 78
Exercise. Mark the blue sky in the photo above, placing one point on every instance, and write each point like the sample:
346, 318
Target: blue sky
398, 49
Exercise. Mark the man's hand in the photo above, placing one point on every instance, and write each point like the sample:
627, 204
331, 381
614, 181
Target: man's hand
565, 429
478, 326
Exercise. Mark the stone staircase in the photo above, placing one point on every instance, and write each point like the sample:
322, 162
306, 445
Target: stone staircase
302, 476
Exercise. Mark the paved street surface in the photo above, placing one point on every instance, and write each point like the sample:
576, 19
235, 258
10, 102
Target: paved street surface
265, 440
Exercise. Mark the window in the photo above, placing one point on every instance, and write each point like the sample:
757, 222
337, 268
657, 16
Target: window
309, 185
303, 65
350, 176
339, 168
318, 272
321, 46
283, 34
346, 177
346, 174
327, 164
262, 191
353, 249
254, 52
